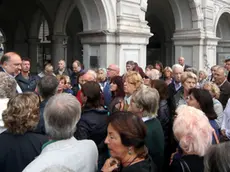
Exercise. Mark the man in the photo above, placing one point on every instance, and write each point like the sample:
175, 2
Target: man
223, 84
112, 70
227, 67
25, 80
181, 61
62, 70
11, 64
63, 151
74, 76
47, 87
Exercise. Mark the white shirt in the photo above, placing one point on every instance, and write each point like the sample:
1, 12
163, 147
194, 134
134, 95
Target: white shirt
226, 119
78, 156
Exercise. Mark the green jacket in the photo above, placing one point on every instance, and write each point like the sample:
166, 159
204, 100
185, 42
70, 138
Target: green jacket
155, 142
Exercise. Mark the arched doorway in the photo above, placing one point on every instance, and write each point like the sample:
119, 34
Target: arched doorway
223, 32
2, 40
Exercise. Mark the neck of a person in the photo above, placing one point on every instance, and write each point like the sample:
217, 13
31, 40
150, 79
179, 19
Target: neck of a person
25, 74
185, 93
130, 159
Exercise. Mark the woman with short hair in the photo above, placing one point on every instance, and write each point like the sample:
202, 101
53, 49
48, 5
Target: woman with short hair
194, 133
19, 145
126, 134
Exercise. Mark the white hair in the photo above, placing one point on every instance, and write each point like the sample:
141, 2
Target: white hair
177, 66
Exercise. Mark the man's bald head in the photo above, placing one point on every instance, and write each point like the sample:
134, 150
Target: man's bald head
181, 61
88, 77
219, 75
113, 70
11, 63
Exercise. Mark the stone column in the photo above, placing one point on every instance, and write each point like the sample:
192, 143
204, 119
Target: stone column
33, 53
59, 49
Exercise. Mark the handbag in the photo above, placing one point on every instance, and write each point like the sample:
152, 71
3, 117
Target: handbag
184, 166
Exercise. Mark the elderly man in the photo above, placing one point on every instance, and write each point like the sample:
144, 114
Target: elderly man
11, 64
47, 87
221, 81
112, 71
62, 70
181, 61
61, 115
7, 91
227, 67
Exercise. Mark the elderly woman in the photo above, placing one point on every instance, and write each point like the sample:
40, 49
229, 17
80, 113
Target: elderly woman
133, 82
93, 124
194, 133
217, 158
7, 90
188, 81
126, 143
201, 99
145, 103
215, 93
63, 151
203, 76
19, 145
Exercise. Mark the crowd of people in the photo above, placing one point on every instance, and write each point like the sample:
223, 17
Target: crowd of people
160, 119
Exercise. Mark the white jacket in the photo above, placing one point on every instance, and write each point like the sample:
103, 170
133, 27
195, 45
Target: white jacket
3, 106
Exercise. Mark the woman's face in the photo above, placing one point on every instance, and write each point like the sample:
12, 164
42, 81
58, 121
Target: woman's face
61, 85
113, 141
129, 88
189, 84
158, 67
167, 74
191, 101
201, 76
113, 87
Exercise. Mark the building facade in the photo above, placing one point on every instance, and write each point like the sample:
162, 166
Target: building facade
101, 32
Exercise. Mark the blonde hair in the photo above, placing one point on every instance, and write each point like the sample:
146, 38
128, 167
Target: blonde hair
214, 89
22, 113
193, 130
187, 75
134, 78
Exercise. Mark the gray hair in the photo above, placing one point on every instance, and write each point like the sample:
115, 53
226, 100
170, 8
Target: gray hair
61, 115
7, 85
148, 99
177, 66
217, 158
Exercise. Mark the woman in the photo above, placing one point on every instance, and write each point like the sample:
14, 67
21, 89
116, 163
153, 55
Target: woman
62, 82
192, 130
126, 143
167, 73
145, 103
133, 82
93, 124
19, 145
118, 94
202, 100
188, 81
202, 78
215, 93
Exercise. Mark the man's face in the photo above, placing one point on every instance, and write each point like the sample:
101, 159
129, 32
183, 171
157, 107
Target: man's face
13, 66
177, 74
76, 68
219, 77
227, 66
111, 71
25, 66
61, 65
181, 61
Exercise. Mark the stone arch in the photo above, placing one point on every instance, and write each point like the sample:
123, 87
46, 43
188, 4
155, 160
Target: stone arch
218, 16
96, 15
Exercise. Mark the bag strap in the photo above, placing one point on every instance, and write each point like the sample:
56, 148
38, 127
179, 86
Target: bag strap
184, 166
216, 138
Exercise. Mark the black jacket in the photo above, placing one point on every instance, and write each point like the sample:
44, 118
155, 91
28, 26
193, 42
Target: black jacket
164, 118
27, 84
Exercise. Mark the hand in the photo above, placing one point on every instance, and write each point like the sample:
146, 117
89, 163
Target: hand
223, 132
110, 165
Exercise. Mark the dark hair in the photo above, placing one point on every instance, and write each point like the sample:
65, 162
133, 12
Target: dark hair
47, 86
92, 91
204, 98
131, 129
217, 158
161, 66
227, 60
161, 87
26, 59
150, 67
120, 86
4, 58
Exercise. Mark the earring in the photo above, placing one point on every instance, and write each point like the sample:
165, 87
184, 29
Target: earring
130, 152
